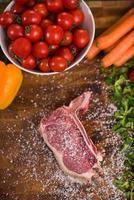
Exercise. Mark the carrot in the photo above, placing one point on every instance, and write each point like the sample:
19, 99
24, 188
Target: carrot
120, 21
113, 46
119, 50
124, 58
116, 33
94, 51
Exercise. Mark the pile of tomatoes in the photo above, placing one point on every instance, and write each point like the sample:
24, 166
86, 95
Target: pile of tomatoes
45, 35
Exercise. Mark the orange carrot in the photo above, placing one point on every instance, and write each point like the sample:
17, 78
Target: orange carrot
116, 33
120, 21
94, 51
113, 46
124, 58
119, 50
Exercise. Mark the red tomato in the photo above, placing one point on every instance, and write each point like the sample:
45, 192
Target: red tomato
71, 4
80, 38
78, 16
67, 38
40, 50
10, 50
41, 9
65, 20
33, 33
30, 3
74, 50
2, 23
22, 47
54, 34
15, 31
66, 53
29, 62
17, 9
21, 2
131, 76
53, 48
30, 17
54, 5
6, 18
45, 23
44, 65
58, 64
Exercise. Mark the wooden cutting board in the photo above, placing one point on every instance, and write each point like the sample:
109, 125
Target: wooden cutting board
28, 169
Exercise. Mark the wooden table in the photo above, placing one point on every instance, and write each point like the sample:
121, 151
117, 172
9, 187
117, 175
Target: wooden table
28, 169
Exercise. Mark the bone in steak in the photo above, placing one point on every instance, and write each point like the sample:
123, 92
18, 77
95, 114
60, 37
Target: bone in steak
66, 137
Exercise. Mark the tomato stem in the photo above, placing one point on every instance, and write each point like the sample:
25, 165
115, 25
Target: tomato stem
18, 19
27, 29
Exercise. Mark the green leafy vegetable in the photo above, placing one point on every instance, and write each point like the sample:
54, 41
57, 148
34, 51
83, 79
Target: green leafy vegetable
122, 93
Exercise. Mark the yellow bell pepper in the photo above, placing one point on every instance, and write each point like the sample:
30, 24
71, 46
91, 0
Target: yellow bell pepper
10, 81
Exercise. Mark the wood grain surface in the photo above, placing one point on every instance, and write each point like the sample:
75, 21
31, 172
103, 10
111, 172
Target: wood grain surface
28, 169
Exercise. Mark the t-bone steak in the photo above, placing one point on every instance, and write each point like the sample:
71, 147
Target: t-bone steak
66, 137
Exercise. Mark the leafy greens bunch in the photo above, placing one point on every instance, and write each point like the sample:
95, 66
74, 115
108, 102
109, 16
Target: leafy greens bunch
122, 94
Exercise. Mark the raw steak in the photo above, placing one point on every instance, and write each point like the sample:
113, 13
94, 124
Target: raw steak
66, 137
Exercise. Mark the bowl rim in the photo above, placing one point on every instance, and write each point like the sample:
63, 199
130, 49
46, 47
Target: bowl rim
51, 73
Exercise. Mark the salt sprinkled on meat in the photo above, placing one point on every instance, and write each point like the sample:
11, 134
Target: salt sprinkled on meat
33, 163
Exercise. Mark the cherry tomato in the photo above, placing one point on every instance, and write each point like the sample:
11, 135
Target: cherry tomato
45, 23
66, 53
65, 20
74, 50
67, 38
29, 62
53, 48
131, 76
58, 64
6, 18
80, 38
2, 23
40, 50
54, 5
15, 31
71, 4
30, 17
21, 2
22, 47
44, 65
10, 50
54, 34
33, 32
30, 3
41, 9
17, 9
78, 16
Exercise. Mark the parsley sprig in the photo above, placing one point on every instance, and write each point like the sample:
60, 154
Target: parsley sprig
122, 94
